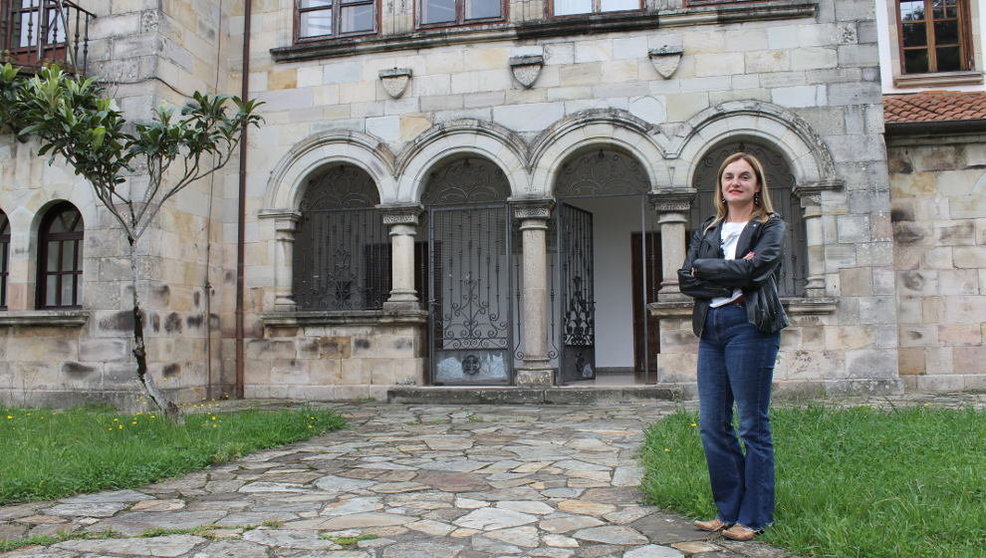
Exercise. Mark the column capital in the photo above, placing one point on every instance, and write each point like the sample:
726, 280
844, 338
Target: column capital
403, 214
811, 193
285, 220
535, 208
672, 200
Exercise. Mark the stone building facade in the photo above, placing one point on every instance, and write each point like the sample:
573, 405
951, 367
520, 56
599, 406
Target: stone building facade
455, 192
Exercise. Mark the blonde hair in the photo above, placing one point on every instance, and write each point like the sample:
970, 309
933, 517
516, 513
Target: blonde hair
761, 209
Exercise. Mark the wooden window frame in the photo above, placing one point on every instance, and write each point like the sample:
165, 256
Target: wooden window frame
61, 272
596, 4
335, 9
4, 258
966, 53
460, 16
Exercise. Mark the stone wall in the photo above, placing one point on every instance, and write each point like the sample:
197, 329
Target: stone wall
144, 53
939, 218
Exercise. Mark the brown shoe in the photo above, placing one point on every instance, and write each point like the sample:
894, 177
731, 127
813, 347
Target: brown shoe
740, 532
711, 525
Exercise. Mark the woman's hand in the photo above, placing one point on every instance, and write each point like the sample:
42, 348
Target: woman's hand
749, 256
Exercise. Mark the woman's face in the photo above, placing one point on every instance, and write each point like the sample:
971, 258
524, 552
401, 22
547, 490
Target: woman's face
739, 182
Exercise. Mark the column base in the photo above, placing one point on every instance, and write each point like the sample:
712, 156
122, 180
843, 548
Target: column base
673, 296
400, 306
535, 377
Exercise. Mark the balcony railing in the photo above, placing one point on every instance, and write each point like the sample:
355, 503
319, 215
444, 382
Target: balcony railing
37, 32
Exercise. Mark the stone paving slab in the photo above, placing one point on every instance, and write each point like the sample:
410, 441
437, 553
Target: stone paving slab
408, 481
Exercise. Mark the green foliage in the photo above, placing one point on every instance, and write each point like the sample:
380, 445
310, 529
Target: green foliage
6, 545
50, 454
72, 119
853, 482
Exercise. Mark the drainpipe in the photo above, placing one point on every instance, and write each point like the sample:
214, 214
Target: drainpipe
241, 210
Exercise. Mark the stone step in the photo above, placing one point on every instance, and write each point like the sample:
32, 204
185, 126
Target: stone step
520, 395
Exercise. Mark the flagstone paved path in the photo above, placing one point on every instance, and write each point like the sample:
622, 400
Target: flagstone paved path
404, 481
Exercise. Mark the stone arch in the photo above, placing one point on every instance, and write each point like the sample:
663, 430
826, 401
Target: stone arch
457, 138
589, 129
286, 184
810, 160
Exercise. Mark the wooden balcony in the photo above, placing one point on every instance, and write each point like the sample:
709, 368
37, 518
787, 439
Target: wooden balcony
38, 32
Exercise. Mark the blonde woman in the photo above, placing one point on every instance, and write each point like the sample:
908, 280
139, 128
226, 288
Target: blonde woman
731, 271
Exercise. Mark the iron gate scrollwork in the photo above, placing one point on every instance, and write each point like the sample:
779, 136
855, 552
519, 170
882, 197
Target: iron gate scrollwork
342, 248
470, 279
578, 327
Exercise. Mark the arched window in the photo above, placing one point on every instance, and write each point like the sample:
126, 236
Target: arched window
781, 181
342, 247
60, 258
4, 258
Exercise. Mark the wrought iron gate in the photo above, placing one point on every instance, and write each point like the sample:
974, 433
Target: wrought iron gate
578, 327
470, 305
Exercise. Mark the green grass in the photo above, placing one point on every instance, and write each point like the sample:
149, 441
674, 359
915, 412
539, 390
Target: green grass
854, 482
51, 454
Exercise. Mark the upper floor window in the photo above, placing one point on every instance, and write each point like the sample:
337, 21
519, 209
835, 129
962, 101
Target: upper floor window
60, 260
573, 7
325, 19
934, 36
4, 258
458, 12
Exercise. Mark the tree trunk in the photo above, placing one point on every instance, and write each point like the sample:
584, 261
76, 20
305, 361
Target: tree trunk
167, 407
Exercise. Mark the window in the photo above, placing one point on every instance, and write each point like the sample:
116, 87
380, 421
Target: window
457, 12
322, 19
60, 258
573, 7
4, 258
934, 36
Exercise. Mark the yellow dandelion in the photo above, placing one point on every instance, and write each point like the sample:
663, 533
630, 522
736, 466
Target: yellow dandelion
10, 417
310, 426
119, 427
116, 420
215, 426
213, 417
667, 450
693, 425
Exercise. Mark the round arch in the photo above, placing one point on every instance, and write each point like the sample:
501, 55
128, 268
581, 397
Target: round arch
808, 156
612, 129
461, 138
286, 185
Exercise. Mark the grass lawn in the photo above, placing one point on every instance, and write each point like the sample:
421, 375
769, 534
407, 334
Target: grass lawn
51, 454
853, 482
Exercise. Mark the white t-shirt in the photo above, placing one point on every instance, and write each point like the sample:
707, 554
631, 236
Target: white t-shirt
730, 238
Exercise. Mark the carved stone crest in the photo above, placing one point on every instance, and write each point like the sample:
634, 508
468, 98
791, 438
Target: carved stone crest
526, 69
395, 80
665, 59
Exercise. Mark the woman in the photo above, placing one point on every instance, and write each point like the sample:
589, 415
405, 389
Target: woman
731, 270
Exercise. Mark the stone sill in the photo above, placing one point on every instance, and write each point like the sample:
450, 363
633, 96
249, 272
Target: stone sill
544, 29
941, 79
343, 317
794, 306
44, 318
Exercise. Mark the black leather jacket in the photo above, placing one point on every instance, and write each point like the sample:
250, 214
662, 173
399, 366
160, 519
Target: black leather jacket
716, 276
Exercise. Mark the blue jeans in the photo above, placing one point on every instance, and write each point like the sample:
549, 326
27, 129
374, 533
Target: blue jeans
736, 364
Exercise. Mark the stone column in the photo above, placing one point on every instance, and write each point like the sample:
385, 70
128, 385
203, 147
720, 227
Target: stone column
285, 226
536, 369
810, 196
672, 208
403, 223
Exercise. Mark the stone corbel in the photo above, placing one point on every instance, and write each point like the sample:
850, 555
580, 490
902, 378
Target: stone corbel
395, 81
526, 69
666, 59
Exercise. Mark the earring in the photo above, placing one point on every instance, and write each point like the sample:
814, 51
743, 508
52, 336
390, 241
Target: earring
756, 198
723, 199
